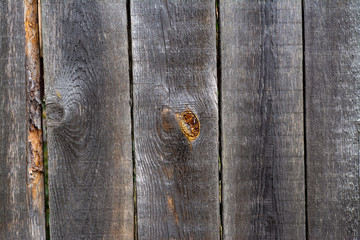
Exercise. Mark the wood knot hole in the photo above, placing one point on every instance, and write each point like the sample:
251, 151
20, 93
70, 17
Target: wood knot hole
55, 113
189, 124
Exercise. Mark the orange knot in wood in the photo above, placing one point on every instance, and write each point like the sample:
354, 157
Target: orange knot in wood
189, 124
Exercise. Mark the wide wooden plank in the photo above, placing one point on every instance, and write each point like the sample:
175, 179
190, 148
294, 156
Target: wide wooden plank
262, 120
88, 118
21, 188
175, 119
13, 215
332, 53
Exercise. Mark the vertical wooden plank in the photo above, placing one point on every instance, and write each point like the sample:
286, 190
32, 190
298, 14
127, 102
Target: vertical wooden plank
34, 149
21, 199
175, 119
13, 215
332, 54
88, 118
262, 120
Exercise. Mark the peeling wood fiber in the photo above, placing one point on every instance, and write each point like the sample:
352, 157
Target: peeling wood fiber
35, 165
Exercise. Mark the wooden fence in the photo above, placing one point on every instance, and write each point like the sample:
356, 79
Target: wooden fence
172, 119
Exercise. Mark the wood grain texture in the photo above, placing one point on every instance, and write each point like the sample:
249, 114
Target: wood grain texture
35, 161
88, 118
18, 218
14, 219
262, 120
175, 119
332, 54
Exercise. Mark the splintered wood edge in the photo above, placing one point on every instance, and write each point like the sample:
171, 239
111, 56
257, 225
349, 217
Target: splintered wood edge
34, 146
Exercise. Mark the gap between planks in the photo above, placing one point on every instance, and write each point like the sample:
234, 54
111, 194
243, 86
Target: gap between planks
128, 13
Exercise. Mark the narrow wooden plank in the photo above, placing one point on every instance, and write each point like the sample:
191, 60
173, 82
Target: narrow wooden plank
88, 118
21, 194
332, 53
175, 119
262, 120
34, 149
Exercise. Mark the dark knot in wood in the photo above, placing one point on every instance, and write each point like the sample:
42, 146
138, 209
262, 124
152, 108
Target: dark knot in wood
55, 113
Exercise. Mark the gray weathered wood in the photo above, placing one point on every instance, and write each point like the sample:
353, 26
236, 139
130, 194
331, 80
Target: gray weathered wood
174, 74
13, 215
88, 118
262, 120
21, 199
332, 67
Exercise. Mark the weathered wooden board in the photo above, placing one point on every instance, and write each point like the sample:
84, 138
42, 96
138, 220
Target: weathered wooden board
13, 215
34, 150
21, 200
332, 73
262, 120
88, 118
175, 84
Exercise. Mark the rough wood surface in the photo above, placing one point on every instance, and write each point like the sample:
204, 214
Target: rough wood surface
35, 164
88, 117
262, 120
21, 214
332, 54
175, 119
13, 214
